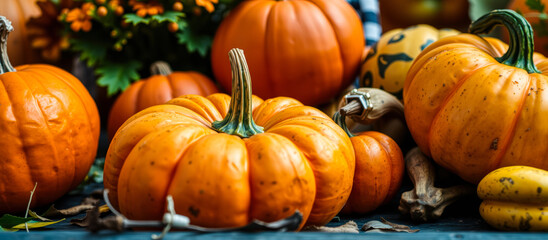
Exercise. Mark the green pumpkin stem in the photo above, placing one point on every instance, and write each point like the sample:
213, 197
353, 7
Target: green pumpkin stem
5, 29
239, 118
340, 119
521, 46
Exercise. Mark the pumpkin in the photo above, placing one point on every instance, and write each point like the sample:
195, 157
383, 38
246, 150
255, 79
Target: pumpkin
533, 16
19, 12
163, 85
49, 132
515, 198
378, 171
227, 160
308, 50
386, 64
439, 13
474, 108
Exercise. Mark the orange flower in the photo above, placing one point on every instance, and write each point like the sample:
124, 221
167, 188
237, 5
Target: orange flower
207, 4
80, 18
150, 8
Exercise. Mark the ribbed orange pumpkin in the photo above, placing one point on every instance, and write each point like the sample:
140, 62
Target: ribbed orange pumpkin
473, 109
379, 169
19, 12
49, 132
222, 169
162, 86
308, 50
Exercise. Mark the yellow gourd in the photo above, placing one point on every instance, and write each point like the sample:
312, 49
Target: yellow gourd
515, 198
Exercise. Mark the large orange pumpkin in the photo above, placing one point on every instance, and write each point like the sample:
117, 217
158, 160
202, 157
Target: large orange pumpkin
224, 165
378, 172
49, 132
19, 12
162, 86
473, 109
308, 50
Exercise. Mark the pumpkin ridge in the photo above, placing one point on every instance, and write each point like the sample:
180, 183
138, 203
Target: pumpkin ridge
76, 91
34, 173
510, 136
341, 55
445, 101
70, 141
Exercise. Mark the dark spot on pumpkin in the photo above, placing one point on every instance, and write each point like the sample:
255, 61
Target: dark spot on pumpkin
494, 144
285, 209
524, 223
259, 156
274, 182
261, 182
484, 98
443, 85
527, 130
152, 163
189, 162
541, 209
516, 192
194, 211
202, 191
504, 179
313, 118
55, 169
539, 190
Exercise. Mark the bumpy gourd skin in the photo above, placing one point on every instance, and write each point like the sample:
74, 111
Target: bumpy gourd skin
49, 133
515, 198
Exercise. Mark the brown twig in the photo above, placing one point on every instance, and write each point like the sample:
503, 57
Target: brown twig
426, 202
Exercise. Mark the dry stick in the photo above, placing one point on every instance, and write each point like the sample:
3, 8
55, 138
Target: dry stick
28, 205
426, 202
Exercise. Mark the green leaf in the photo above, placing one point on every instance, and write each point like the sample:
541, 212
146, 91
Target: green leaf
9, 221
117, 76
170, 16
90, 51
134, 19
194, 42
535, 5
36, 224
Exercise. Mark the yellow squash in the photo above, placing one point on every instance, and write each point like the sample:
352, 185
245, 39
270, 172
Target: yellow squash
515, 198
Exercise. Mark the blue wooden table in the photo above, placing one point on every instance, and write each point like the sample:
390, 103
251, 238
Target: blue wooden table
460, 221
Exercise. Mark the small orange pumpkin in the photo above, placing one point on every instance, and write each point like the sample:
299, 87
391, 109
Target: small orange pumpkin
474, 108
379, 169
49, 132
162, 86
228, 160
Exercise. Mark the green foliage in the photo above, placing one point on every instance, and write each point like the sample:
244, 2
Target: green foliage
121, 46
117, 76
535, 5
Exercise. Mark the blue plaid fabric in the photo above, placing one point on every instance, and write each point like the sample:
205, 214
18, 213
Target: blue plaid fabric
369, 14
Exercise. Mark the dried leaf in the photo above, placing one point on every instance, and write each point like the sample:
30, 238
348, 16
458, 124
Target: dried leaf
90, 213
349, 227
386, 226
36, 216
36, 224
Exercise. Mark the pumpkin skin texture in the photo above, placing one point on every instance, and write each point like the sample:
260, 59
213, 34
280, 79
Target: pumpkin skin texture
161, 87
308, 50
388, 61
49, 132
472, 114
19, 12
301, 160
